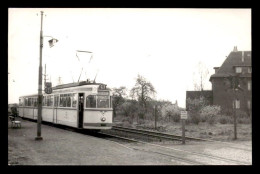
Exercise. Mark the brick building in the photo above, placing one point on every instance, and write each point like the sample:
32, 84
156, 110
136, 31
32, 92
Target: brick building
236, 66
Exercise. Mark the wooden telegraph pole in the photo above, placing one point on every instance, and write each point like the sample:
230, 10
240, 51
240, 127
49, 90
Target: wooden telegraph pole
184, 116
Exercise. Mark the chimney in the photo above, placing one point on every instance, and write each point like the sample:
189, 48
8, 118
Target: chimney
235, 49
216, 69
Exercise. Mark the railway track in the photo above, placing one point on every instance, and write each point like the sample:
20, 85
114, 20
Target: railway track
159, 149
168, 136
154, 134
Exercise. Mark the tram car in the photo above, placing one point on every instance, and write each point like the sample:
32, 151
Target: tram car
80, 105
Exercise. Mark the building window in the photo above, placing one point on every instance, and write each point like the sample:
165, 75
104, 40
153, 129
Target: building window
236, 104
249, 85
249, 70
238, 69
248, 104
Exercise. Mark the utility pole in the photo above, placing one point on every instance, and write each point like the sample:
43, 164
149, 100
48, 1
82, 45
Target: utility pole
44, 74
39, 119
235, 115
155, 117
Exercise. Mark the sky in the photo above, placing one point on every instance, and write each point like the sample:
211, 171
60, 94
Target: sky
164, 45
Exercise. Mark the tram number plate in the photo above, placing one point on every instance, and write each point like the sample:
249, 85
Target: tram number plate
103, 124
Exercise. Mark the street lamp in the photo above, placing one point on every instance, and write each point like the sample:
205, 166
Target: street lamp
39, 119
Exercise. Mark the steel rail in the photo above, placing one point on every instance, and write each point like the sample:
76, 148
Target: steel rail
184, 151
174, 137
152, 133
150, 151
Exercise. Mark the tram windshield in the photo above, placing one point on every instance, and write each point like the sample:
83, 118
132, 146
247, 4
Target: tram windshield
97, 101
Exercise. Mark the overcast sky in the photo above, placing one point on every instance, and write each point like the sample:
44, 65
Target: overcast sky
164, 45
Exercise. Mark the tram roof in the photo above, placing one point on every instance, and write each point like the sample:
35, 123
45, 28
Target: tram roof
75, 84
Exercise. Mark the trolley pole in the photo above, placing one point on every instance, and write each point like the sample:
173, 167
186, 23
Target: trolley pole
39, 119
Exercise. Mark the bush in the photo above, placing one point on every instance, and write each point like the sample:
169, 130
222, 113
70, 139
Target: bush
241, 114
195, 118
209, 113
211, 120
176, 118
127, 121
244, 120
225, 119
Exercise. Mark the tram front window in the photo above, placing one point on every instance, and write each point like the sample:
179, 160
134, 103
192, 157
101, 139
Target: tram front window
91, 101
102, 101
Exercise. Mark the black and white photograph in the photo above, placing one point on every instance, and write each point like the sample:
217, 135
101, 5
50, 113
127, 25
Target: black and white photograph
129, 86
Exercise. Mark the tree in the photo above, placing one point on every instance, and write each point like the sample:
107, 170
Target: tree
200, 77
118, 95
142, 91
233, 82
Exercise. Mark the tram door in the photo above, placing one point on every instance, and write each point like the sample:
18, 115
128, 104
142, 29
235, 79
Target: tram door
80, 109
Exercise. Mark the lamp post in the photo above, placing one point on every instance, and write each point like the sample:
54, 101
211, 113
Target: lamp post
39, 119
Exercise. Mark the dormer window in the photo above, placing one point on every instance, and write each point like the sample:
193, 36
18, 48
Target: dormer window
249, 70
238, 69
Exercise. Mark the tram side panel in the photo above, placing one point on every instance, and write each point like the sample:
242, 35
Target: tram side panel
28, 112
67, 117
47, 114
101, 119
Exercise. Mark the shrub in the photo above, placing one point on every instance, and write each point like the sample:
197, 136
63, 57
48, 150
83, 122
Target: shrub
211, 120
244, 120
209, 113
176, 117
195, 118
241, 114
223, 120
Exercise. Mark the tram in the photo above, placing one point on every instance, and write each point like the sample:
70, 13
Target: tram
82, 105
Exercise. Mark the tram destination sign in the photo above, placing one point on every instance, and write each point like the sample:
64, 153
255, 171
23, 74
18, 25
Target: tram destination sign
184, 115
48, 88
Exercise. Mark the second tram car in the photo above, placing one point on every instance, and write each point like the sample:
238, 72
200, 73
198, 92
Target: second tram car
81, 105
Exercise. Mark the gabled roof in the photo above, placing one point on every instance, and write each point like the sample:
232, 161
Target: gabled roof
234, 59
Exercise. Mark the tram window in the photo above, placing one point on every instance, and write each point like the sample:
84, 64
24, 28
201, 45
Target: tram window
61, 100
35, 101
68, 100
56, 101
51, 101
47, 101
111, 102
102, 101
26, 101
44, 102
29, 101
74, 100
91, 101
20, 102
64, 100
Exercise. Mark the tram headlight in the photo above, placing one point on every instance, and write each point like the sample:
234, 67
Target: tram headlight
103, 119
